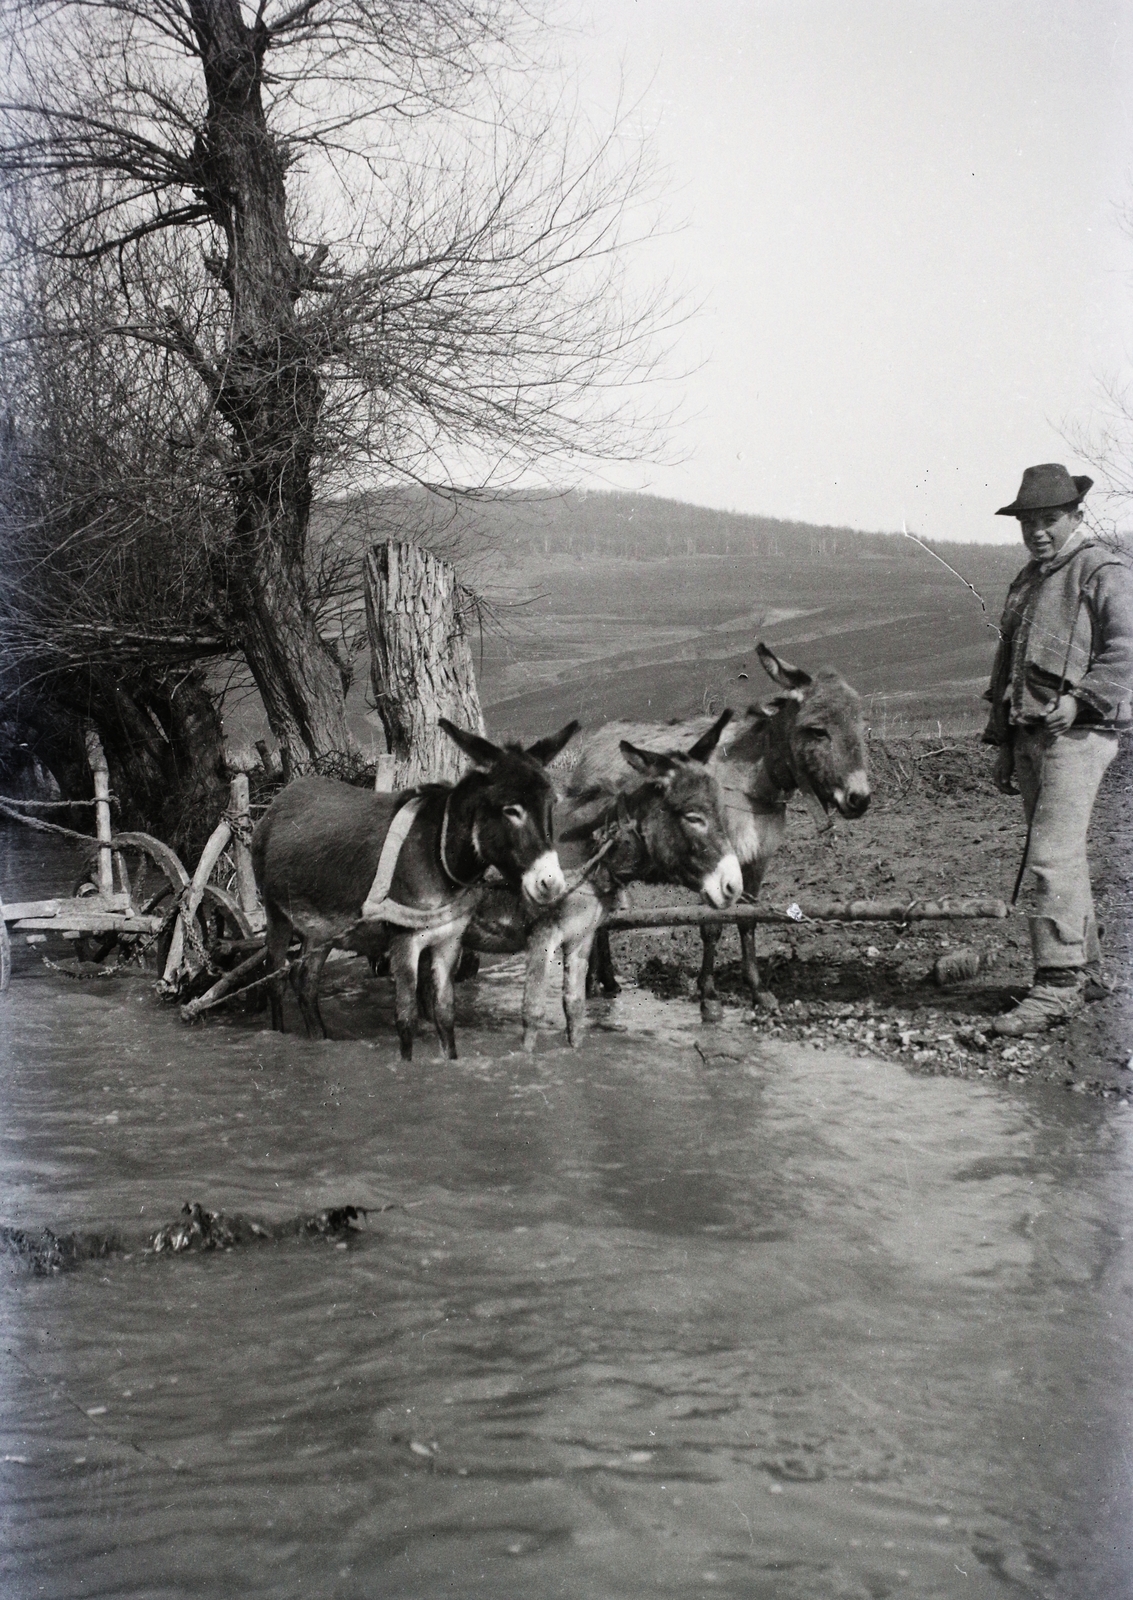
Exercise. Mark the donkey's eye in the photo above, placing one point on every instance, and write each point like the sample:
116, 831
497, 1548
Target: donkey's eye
515, 814
816, 733
695, 819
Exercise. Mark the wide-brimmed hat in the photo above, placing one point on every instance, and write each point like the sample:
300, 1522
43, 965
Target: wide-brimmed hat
1046, 488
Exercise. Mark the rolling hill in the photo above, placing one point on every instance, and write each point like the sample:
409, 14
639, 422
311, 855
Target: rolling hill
599, 605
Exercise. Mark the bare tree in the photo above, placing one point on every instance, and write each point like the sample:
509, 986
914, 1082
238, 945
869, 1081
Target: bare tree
112, 561
361, 249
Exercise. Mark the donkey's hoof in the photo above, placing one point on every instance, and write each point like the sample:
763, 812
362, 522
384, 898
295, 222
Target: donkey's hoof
766, 1002
611, 988
711, 1011
530, 1038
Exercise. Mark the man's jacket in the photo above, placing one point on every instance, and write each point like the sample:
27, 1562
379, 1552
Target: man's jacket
1067, 628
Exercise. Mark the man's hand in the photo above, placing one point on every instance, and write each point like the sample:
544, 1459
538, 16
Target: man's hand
1061, 714
1003, 772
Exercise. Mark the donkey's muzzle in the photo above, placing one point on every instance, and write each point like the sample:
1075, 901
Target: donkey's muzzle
543, 882
724, 886
853, 799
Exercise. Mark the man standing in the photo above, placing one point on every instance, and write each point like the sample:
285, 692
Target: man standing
1061, 687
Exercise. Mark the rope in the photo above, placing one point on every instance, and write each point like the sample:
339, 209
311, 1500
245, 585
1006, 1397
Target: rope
46, 827
50, 805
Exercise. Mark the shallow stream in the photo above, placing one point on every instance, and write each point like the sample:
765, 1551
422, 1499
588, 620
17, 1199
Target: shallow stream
678, 1314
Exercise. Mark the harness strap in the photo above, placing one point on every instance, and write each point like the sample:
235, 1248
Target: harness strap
463, 883
378, 907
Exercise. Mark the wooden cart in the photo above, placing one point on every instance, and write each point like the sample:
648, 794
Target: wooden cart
135, 888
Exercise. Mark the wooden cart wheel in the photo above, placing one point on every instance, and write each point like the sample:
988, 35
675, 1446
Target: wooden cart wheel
148, 870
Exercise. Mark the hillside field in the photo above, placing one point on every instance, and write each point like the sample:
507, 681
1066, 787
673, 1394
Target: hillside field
619, 605
598, 606
598, 637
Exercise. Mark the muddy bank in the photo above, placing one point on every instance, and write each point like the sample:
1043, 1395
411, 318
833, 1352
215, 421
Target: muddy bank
937, 825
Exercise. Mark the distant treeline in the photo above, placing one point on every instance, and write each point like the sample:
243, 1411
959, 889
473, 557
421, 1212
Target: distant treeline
630, 527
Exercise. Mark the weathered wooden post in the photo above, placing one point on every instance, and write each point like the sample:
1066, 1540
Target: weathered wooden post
420, 663
385, 773
96, 759
239, 817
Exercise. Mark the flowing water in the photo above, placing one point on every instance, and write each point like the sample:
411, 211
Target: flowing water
677, 1314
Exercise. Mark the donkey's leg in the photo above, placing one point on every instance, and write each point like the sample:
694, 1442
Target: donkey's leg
576, 960
426, 991
307, 990
761, 998
710, 1008
278, 937
542, 943
445, 956
600, 973
468, 966
404, 955
749, 963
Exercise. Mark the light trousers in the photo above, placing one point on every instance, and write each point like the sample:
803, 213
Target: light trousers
1058, 776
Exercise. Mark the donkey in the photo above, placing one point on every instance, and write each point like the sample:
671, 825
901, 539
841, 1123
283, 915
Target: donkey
669, 827
809, 738
402, 873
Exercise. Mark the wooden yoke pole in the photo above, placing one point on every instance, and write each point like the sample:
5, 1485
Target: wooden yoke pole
96, 759
813, 911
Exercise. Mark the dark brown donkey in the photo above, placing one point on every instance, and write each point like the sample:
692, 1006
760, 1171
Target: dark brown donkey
809, 738
319, 847
664, 823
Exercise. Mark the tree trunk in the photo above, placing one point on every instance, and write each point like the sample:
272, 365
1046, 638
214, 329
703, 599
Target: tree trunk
299, 680
268, 391
421, 664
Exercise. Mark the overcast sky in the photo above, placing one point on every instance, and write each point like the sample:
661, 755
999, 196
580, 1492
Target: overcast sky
902, 220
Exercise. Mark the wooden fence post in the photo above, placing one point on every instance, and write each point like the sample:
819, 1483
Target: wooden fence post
239, 804
385, 774
97, 760
421, 664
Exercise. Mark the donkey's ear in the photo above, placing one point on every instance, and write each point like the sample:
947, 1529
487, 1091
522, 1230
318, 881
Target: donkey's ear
707, 742
760, 716
546, 750
481, 752
652, 764
783, 672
